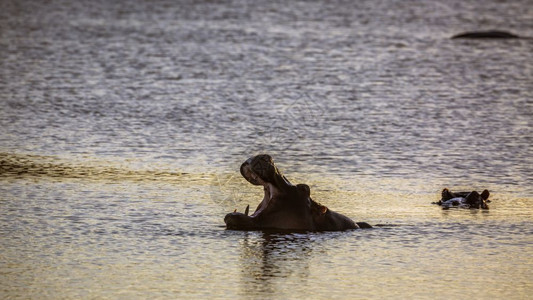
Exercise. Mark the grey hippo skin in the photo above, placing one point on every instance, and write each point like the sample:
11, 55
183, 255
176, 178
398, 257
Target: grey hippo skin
285, 206
491, 34
464, 199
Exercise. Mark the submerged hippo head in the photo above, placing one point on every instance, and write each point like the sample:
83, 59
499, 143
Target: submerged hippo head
464, 199
284, 206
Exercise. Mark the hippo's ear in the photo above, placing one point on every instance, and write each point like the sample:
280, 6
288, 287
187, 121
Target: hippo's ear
485, 195
304, 189
446, 194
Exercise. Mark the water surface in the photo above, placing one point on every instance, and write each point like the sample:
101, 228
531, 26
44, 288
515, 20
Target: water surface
123, 126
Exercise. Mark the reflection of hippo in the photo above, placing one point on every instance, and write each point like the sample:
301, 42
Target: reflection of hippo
285, 206
464, 199
491, 34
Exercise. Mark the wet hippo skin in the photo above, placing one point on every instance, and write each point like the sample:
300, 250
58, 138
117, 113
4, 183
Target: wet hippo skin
285, 206
464, 199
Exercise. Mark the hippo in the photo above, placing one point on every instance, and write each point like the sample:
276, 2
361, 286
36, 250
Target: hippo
464, 199
491, 34
285, 206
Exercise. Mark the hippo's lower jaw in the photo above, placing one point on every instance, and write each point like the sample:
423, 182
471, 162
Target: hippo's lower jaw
240, 221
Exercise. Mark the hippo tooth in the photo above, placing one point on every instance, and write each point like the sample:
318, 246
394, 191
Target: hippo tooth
247, 209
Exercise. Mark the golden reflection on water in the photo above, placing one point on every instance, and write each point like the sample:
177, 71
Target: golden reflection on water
99, 230
363, 198
21, 166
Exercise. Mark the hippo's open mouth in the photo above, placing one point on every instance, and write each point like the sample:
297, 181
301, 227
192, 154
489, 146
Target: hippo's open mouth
260, 170
259, 177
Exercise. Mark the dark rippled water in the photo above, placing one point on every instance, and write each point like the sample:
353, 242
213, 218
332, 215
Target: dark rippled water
123, 125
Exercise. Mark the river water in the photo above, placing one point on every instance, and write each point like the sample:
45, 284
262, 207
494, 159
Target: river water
123, 124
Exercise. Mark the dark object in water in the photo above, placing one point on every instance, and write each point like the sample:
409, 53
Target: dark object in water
464, 199
285, 206
491, 34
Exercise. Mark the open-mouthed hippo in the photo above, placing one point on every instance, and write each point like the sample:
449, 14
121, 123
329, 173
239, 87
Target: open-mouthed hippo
464, 199
285, 206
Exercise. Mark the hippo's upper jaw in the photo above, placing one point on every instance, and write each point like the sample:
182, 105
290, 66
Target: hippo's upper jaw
260, 169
